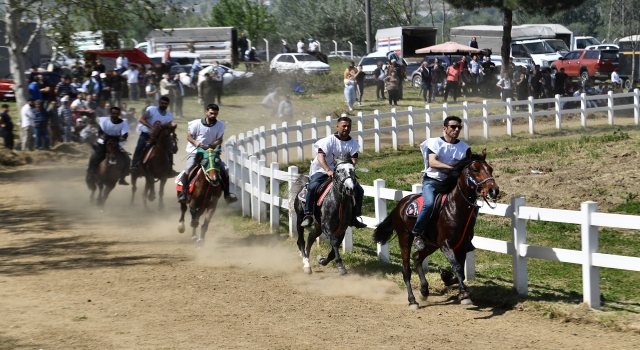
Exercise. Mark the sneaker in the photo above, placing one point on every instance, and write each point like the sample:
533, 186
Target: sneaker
418, 244
231, 198
307, 222
123, 182
357, 223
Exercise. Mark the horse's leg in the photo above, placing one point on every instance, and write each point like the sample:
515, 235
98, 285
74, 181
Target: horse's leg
163, 181
133, 187
306, 267
457, 263
100, 188
404, 240
152, 188
335, 244
194, 221
207, 219
418, 258
108, 188
183, 208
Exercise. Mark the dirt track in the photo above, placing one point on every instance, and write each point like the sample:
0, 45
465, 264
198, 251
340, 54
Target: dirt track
74, 278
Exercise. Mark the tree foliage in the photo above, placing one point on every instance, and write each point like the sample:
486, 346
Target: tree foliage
249, 16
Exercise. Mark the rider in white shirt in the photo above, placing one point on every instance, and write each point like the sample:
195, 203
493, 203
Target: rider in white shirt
328, 148
205, 133
111, 126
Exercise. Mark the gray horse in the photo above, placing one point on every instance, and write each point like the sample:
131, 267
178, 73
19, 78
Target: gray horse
331, 218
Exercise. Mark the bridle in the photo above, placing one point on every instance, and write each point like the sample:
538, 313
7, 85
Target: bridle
212, 164
472, 199
340, 182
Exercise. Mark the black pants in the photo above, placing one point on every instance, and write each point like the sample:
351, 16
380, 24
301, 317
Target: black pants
360, 91
434, 91
507, 94
140, 147
7, 137
380, 89
451, 86
394, 96
176, 106
217, 88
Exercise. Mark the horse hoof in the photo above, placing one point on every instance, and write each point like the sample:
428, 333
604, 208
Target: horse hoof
424, 297
466, 301
342, 271
194, 238
307, 270
414, 307
320, 259
181, 228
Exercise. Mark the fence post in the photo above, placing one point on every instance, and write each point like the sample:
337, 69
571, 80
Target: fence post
274, 143
230, 159
262, 188
427, 119
256, 143
590, 273
376, 126
394, 129
327, 128
518, 237
509, 110
314, 129
485, 118
410, 122
274, 189
253, 186
263, 143
417, 188
558, 113
285, 142
532, 118
465, 120
361, 132
610, 107
249, 143
246, 192
636, 106
293, 221
300, 140
583, 109
381, 214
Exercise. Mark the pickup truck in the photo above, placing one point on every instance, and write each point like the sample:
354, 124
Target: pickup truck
588, 64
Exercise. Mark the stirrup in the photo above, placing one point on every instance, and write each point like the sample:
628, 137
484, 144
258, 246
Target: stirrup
357, 223
307, 222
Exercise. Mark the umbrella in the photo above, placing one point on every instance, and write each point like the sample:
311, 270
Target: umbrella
448, 48
134, 55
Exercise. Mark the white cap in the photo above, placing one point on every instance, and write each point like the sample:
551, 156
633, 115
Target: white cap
253, 48
103, 75
94, 73
65, 99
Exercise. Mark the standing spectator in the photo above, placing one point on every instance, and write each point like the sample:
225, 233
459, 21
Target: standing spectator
378, 76
272, 102
55, 130
453, 76
243, 45
547, 85
132, 82
301, 46
351, 70
534, 83
35, 91
152, 92
178, 97
45, 89
196, 67
64, 88
285, 110
166, 86
487, 75
105, 93
122, 63
26, 125
40, 123
6, 127
285, 48
206, 91
391, 85
436, 78
400, 74
561, 81
218, 81
425, 74
350, 91
75, 84
476, 78
615, 79
313, 46
93, 85
251, 59
359, 78
66, 118
473, 43
522, 88
506, 85
92, 102
115, 84
99, 67
166, 59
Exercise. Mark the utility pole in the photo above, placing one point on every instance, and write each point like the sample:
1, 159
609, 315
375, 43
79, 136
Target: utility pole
367, 10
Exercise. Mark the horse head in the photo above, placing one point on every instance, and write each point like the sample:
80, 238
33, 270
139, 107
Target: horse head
165, 136
212, 172
112, 145
345, 174
480, 174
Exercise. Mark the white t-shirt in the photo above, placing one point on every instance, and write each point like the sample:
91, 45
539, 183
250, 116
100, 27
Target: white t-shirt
204, 133
132, 76
149, 88
615, 77
313, 46
26, 116
332, 147
300, 47
155, 118
448, 153
122, 62
78, 103
111, 129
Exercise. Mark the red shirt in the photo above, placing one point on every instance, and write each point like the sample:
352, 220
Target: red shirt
453, 74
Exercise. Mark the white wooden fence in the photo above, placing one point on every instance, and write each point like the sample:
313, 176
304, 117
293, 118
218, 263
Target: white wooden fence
246, 158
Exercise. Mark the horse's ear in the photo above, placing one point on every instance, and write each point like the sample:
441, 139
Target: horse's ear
469, 153
484, 154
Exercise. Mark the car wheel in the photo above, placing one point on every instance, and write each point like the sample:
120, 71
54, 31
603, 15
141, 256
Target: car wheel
584, 75
417, 81
627, 84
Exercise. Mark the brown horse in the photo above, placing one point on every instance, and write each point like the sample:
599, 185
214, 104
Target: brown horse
157, 164
109, 171
451, 227
206, 192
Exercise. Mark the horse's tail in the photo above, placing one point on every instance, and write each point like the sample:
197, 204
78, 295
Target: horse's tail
300, 182
383, 232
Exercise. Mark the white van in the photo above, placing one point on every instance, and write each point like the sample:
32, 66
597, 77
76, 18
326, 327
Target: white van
179, 57
370, 62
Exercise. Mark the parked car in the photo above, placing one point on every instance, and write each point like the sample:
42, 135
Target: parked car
344, 54
370, 63
6, 85
588, 64
603, 47
228, 76
298, 63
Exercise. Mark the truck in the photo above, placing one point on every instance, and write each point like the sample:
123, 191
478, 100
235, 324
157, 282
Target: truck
211, 43
405, 40
626, 60
98, 40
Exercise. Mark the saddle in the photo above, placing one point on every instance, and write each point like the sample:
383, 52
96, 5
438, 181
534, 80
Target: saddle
414, 208
321, 191
193, 175
147, 153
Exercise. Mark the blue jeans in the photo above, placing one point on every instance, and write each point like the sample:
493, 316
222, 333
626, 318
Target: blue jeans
350, 95
142, 143
42, 137
426, 87
67, 133
194, 74
315, 181
429, 195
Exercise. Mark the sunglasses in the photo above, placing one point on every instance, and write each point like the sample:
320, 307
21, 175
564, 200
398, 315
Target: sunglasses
455, 126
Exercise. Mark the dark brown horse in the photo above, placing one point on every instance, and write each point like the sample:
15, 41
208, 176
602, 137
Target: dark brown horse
157, 164
109, 171
206, 192
451, 227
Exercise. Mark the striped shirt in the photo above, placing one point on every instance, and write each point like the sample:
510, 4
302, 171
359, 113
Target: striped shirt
64, 89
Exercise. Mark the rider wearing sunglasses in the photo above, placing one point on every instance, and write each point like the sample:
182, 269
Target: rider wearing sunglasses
439, 153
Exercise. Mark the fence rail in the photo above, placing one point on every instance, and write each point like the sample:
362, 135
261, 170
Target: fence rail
246, 157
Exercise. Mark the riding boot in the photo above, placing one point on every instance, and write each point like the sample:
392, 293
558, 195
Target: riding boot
185, 189
228, 197
308, 221
123, 181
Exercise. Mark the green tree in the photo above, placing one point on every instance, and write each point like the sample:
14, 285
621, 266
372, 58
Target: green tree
249, 16
545, 7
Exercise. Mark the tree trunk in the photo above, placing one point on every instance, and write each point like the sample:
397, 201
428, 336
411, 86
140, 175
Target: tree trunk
507, 23
444, 19
17, 55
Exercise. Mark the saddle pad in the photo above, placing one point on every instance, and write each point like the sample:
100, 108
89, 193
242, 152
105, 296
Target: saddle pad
146, 155
414, 208
302, 195
192, 184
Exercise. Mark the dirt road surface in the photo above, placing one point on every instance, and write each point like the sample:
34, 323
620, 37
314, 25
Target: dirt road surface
72, 277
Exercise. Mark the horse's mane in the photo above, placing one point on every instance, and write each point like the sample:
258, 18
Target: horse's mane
452, 175
343, 159
157, 131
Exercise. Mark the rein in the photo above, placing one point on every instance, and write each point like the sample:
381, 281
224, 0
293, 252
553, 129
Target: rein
471, 200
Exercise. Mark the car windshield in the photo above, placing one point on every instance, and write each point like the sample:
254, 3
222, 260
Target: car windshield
538, 47
558, 45
372, 61
584, 42
303, 58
